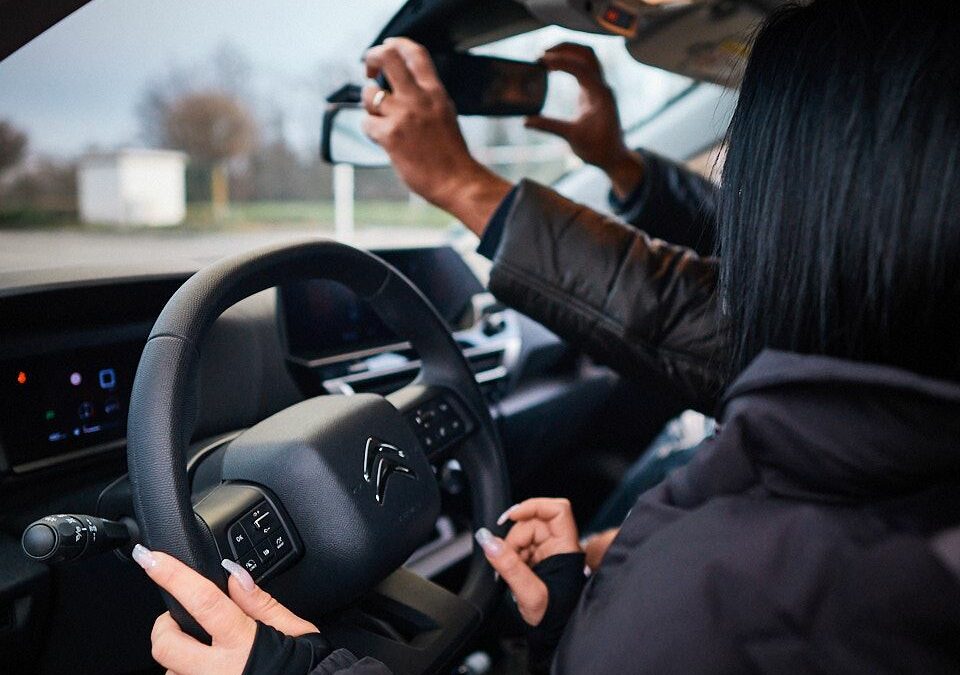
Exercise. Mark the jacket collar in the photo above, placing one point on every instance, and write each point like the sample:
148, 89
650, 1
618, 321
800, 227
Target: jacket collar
816, 425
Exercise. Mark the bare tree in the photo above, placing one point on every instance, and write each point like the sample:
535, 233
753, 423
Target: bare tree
227, 70
213, 128
13, 146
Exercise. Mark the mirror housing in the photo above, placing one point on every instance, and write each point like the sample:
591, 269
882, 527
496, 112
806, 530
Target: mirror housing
342, 140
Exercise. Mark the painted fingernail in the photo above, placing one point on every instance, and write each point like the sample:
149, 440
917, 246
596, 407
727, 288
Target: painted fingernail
505, 516
239, 573
144, 557
488, 542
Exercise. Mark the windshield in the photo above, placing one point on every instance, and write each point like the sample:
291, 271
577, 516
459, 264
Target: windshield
191, 129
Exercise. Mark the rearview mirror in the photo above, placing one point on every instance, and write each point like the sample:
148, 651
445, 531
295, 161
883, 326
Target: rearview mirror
477, 85
342, 140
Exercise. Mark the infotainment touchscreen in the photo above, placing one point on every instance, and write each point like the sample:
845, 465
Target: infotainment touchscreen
325, 318
62, 402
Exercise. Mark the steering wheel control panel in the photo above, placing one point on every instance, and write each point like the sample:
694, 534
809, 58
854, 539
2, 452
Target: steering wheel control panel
250, 527
259, 540
439, 424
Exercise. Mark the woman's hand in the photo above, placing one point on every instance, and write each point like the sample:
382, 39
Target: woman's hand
544, 527
230, 621
416, 124
594, 134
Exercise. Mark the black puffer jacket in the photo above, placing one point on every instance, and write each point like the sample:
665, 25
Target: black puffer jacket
815, 533
818, 532
607, 287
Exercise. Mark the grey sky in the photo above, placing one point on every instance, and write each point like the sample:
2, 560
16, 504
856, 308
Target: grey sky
79, 83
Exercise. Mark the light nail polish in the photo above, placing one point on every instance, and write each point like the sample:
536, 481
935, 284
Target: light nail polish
505, 515
144, 557
487, 541
239, 573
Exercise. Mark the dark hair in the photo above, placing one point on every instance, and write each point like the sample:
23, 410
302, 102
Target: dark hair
839, 220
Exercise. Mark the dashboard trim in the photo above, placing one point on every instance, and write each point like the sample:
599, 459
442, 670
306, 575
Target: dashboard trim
47, 462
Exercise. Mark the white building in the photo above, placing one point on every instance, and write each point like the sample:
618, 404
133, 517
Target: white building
137, 186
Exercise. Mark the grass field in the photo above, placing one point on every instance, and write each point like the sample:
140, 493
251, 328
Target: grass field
242, 216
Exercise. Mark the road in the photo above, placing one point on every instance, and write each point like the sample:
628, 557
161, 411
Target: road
51, 248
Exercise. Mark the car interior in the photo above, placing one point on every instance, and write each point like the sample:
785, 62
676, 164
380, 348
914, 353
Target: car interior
194, 398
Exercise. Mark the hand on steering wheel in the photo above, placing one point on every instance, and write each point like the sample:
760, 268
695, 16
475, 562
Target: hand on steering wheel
313, 467
230, 621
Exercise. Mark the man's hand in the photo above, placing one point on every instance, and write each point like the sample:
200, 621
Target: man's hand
594, 135
230, 621
416, 124
544, 527
596, 547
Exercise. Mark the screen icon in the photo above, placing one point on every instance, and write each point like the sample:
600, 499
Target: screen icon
21, 377
75, 379
108, 378
111, 406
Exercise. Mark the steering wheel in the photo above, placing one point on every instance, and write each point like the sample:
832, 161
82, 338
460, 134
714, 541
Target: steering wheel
325, 500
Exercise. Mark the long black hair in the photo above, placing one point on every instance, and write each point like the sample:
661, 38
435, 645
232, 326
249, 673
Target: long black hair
839, 220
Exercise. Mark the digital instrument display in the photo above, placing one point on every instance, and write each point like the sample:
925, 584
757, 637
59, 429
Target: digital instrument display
62, 402
324, 317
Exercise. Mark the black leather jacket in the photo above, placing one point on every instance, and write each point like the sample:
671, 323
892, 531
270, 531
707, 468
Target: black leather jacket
631, 301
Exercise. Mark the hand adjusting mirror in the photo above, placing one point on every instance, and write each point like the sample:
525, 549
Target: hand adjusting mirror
477, 85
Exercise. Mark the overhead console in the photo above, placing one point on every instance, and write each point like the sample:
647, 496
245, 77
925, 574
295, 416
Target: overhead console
336, 344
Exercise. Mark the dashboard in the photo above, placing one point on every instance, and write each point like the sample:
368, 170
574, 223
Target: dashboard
70, 342
66, 390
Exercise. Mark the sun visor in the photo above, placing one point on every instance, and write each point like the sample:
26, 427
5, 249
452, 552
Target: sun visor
707, 40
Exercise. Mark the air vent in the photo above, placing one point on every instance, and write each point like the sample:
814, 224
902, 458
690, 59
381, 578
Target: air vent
486, 362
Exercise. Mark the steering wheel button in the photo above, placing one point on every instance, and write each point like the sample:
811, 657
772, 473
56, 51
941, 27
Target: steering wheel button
264, 525
266, 551
251, 562
280, 544
239, 539
251, 521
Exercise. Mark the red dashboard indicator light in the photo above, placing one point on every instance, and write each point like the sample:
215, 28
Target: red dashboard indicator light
21, 377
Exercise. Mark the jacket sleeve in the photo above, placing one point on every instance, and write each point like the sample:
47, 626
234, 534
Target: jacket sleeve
671, 203
630, 301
